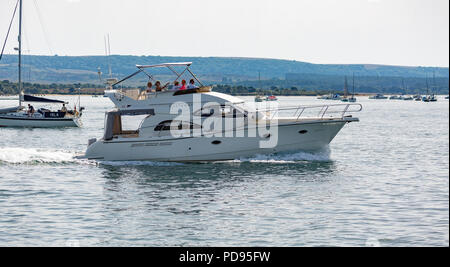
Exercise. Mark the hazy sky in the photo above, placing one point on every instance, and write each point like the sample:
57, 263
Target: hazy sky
394, 32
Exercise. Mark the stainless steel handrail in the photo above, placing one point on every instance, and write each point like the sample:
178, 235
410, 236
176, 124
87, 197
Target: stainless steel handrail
325, 110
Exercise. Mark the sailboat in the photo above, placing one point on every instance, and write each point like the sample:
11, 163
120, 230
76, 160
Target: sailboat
345, 98
259, 98
42, 118
429, 97
351, 99
405, 89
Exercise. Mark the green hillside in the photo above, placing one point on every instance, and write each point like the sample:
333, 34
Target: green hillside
232, 71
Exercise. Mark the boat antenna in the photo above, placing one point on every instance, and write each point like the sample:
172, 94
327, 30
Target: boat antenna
108, 53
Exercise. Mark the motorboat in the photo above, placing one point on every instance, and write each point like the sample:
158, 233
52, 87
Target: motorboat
271, 98
259, 99
395, 97
199, 124
18, 117
378, 97
330, 97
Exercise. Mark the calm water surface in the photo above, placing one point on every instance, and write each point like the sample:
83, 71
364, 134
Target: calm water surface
384, 181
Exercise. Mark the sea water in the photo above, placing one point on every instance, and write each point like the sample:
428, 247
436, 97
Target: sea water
382, 182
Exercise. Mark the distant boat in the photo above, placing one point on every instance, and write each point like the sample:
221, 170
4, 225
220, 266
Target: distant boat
259, 99
271, 98
345, 98
330, 97
429, 97
378, 97
395, 97
405, 89
447, 97
351, 99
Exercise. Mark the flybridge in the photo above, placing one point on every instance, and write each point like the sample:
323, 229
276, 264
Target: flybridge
170, 66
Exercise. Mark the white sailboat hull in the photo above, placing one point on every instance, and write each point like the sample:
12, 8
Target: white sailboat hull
311, 136
10, 121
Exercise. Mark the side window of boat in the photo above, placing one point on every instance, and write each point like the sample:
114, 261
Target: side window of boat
229, 111
164, 126
219, 111
176, 125
205, 112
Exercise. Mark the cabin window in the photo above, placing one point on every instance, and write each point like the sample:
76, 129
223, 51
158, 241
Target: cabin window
176, 125
224, 111
205, 112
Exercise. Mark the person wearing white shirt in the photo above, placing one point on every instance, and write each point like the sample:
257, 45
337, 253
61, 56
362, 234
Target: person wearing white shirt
192, 84
176, 85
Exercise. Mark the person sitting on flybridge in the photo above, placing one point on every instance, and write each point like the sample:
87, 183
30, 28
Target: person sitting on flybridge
158, 86
176, 85
149, 87
183, 85
192, 84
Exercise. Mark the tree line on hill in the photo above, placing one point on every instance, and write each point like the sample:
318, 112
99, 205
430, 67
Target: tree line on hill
275, 87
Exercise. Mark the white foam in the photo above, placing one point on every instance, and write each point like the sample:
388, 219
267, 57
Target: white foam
138, 163
288, 157
17, 155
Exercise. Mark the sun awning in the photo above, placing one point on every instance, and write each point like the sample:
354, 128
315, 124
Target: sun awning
30, 98
164, 65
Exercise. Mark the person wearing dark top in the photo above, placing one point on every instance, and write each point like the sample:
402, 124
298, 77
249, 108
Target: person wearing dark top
158, 86
31, 110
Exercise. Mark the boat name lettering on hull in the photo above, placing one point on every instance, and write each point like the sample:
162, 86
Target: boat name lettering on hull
152, 144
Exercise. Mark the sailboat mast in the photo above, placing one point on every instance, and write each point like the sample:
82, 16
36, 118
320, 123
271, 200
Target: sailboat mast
346, 87
20, 52
353, 85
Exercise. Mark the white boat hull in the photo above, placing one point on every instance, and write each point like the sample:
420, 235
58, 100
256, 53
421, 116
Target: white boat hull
10, 121
310, 136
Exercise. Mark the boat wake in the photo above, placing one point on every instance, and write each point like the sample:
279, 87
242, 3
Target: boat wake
17, 155
283, 158
138, 163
